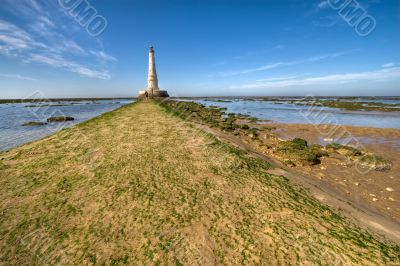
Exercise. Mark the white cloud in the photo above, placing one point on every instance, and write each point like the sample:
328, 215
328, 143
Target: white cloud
14, 30
251, 70
378, 75
41, 37
47, 22
16, 76
13, 37
13, 43
69, 46
61, 63
388, 65
277, 78
102, 56
283, 64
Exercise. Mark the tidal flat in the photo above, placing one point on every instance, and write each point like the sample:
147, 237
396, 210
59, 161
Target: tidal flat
180, 196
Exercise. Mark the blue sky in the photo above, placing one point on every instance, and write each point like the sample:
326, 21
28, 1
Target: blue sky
216, 48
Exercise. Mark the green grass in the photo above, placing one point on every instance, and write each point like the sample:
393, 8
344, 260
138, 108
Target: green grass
140, 186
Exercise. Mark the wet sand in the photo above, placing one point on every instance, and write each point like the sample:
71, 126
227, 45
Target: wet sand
369, 198
378, 189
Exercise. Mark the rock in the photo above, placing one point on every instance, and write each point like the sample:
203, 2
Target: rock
391, 199
375, 199
328, 139
60, 119
375, 162
33, 124
357, 184
389, 189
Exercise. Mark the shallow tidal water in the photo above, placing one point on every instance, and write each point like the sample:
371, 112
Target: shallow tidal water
285, 112
13, 116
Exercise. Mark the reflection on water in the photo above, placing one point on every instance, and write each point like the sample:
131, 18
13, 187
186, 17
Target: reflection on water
285, 112
12, 116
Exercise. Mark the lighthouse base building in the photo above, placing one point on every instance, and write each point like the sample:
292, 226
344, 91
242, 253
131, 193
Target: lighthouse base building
152, 91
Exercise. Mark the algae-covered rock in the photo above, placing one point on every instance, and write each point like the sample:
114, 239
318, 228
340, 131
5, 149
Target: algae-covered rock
33, 124
347, 151
60, 119
375, 162
300, 143
371, 161
298, 150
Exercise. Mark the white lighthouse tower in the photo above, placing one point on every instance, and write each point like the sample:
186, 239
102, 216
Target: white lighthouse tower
152, 91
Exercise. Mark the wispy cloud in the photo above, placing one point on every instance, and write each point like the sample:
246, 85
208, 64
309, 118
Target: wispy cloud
388, 65
41, 37
102, 56
13, 39
277, 78
16, 76
61, 63
378, 75
283, 64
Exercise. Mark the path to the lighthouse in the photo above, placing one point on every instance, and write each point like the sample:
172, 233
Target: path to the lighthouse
179, 197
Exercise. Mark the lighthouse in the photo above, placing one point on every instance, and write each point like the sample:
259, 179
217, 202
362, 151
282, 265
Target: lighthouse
152, 91
152, 80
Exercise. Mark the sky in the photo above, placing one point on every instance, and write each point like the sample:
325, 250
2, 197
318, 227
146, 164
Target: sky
203, 48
